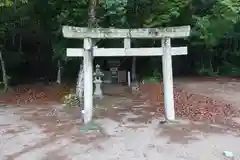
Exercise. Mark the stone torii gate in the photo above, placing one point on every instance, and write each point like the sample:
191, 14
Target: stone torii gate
89, 51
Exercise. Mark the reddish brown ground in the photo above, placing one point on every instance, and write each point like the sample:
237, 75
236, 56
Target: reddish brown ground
195, 99
201, 99
34, 94
192, 102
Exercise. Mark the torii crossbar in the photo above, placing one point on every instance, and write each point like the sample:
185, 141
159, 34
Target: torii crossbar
89, 51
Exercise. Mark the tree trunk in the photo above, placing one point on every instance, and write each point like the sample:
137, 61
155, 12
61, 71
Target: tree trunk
80, 82
134, 69
4, 74
91, 23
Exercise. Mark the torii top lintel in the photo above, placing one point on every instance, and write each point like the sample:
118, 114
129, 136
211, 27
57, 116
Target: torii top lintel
112, 33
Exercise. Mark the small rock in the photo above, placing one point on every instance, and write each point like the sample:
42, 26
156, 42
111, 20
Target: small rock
152, 113
228, 154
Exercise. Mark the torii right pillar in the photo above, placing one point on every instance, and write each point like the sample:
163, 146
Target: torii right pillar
168, 79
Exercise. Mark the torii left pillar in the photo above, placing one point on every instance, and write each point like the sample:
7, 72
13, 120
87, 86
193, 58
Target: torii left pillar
88, 79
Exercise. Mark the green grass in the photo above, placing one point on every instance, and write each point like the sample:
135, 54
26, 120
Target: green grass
151, 80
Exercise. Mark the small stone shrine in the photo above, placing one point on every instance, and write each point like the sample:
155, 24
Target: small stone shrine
114, 64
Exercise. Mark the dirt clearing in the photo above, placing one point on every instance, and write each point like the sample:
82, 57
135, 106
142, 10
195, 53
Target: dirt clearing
129, 128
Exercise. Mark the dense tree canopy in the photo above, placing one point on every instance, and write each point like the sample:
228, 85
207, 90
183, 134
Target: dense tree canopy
30, 32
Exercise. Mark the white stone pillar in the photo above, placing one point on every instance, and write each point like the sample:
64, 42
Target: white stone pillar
168, 79
88, 80
129, 79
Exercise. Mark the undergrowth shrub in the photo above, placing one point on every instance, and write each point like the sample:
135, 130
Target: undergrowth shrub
71, 100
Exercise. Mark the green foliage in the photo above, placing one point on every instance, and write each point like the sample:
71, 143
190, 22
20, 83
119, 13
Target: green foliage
151, 80
115, 12
211, 28
207, 72
162, 12
211, 21
71, 100
114, 7
157, 74
229, 69
2, 85
155, 78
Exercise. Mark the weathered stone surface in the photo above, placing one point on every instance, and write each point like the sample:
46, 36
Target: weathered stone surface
109, 33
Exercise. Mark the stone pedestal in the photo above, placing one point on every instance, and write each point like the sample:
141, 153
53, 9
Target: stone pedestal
98, 88
98, 82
